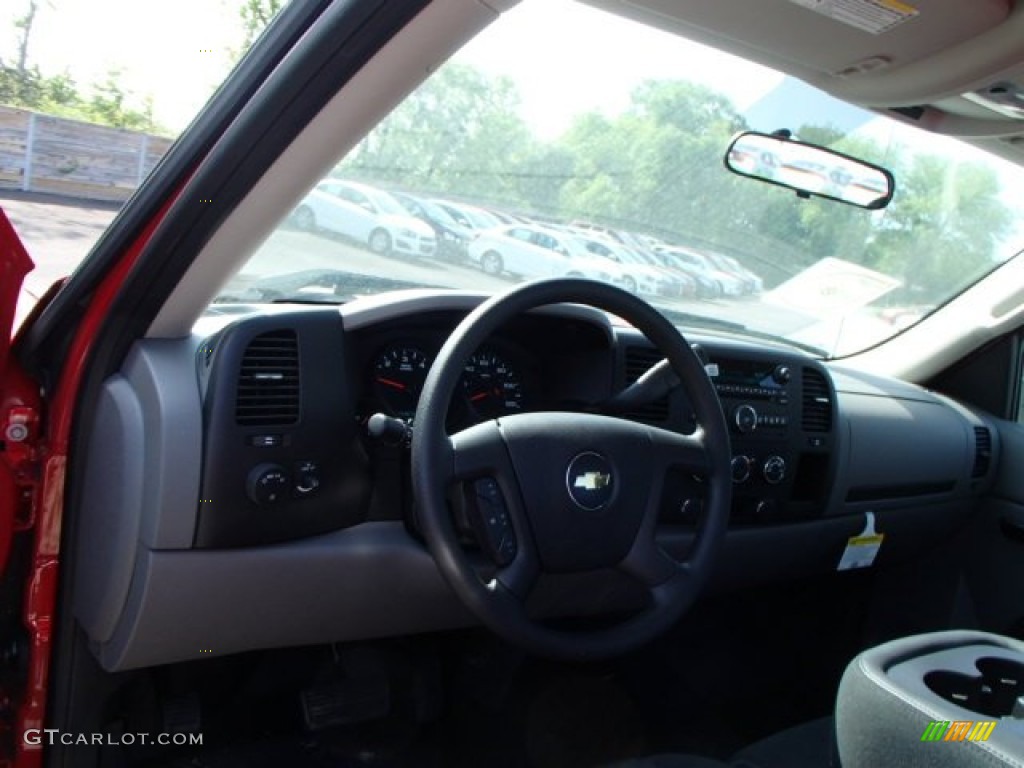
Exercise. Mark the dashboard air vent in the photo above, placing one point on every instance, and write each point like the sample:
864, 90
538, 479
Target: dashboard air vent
638, 361
268, 382
982, 452
817, 402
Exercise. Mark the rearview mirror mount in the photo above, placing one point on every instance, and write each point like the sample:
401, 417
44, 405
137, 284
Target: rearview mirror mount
809, 170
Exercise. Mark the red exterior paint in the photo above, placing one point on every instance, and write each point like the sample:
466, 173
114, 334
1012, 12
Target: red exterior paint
14, 265
19, 415
41, 587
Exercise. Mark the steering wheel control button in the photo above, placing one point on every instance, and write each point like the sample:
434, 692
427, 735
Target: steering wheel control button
745, 418
740, 468
774, 470
589, 481
268, 484
490, 520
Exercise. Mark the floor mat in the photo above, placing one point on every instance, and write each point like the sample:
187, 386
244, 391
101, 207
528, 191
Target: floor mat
582, 722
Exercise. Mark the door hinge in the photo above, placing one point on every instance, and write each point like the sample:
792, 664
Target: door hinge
19, 450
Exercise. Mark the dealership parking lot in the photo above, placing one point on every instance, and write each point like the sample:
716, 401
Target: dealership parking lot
59, 233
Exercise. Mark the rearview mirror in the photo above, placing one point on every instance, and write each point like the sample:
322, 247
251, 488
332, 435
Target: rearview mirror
810, 170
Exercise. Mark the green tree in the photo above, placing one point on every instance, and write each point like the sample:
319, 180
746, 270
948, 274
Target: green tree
459, 133
108, 106
22, 85
655, 166
946, 224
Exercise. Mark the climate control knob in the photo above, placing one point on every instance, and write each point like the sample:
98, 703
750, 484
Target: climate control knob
774, 470
740, 469
268, 484
782, 374
745, 418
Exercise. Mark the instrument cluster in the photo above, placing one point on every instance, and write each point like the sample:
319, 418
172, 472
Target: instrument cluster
492, 384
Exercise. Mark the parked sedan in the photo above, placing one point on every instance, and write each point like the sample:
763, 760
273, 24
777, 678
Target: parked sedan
705, 271
531, 252
367, 215
751, 283
452, 237
639, 277
469, 216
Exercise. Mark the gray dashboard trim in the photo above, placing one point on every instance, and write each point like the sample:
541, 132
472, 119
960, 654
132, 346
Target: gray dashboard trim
109, 521
857, 382
371, 310
372, 580
149, 420
162, 373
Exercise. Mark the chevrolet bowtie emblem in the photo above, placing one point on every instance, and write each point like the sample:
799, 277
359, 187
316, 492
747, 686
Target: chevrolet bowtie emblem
593, 481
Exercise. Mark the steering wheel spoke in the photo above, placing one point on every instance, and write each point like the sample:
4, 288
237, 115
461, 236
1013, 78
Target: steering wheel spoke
493, 504
477, 452
678, 451
520, 576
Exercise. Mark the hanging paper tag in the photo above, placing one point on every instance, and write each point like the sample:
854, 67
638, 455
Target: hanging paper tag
861, 550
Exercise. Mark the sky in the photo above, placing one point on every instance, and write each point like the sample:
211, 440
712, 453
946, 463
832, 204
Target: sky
177, 51
180, 57
557, 82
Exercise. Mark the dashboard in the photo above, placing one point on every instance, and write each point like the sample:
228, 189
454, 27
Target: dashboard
257, 508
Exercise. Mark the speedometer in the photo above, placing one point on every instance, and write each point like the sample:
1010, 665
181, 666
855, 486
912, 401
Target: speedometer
398, 375
491, 386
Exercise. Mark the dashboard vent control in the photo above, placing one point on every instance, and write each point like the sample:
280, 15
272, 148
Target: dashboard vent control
638, 361
268, 382
982, 452
817, 402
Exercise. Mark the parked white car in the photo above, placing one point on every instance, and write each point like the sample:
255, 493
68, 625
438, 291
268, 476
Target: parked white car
367, 215
730, 284
531, 252
640, 277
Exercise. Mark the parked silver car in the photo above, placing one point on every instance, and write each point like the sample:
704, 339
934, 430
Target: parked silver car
539, 252
366, 215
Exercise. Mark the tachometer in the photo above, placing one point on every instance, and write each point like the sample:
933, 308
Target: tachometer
398, 375
491, 385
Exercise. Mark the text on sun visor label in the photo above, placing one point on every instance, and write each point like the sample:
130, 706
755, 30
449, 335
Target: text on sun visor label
874, 16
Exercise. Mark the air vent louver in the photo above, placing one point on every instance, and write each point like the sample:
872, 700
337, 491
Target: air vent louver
982, 452
638, 361
268, 382
817, 402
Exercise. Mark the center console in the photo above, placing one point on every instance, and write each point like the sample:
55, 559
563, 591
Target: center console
781, 416
946, 698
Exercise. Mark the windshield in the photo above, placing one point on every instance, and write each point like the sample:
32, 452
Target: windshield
616, 134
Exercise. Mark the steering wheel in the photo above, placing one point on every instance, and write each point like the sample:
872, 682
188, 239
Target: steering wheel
560, 492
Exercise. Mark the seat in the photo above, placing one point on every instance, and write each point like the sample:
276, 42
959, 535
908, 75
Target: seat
809, 745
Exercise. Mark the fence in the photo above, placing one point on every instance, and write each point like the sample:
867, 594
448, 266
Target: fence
42, 153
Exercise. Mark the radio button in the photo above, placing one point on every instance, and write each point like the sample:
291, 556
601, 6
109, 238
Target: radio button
774, 470
740, 469
745, 418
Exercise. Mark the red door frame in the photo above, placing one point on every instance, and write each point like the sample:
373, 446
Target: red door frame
48, 506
